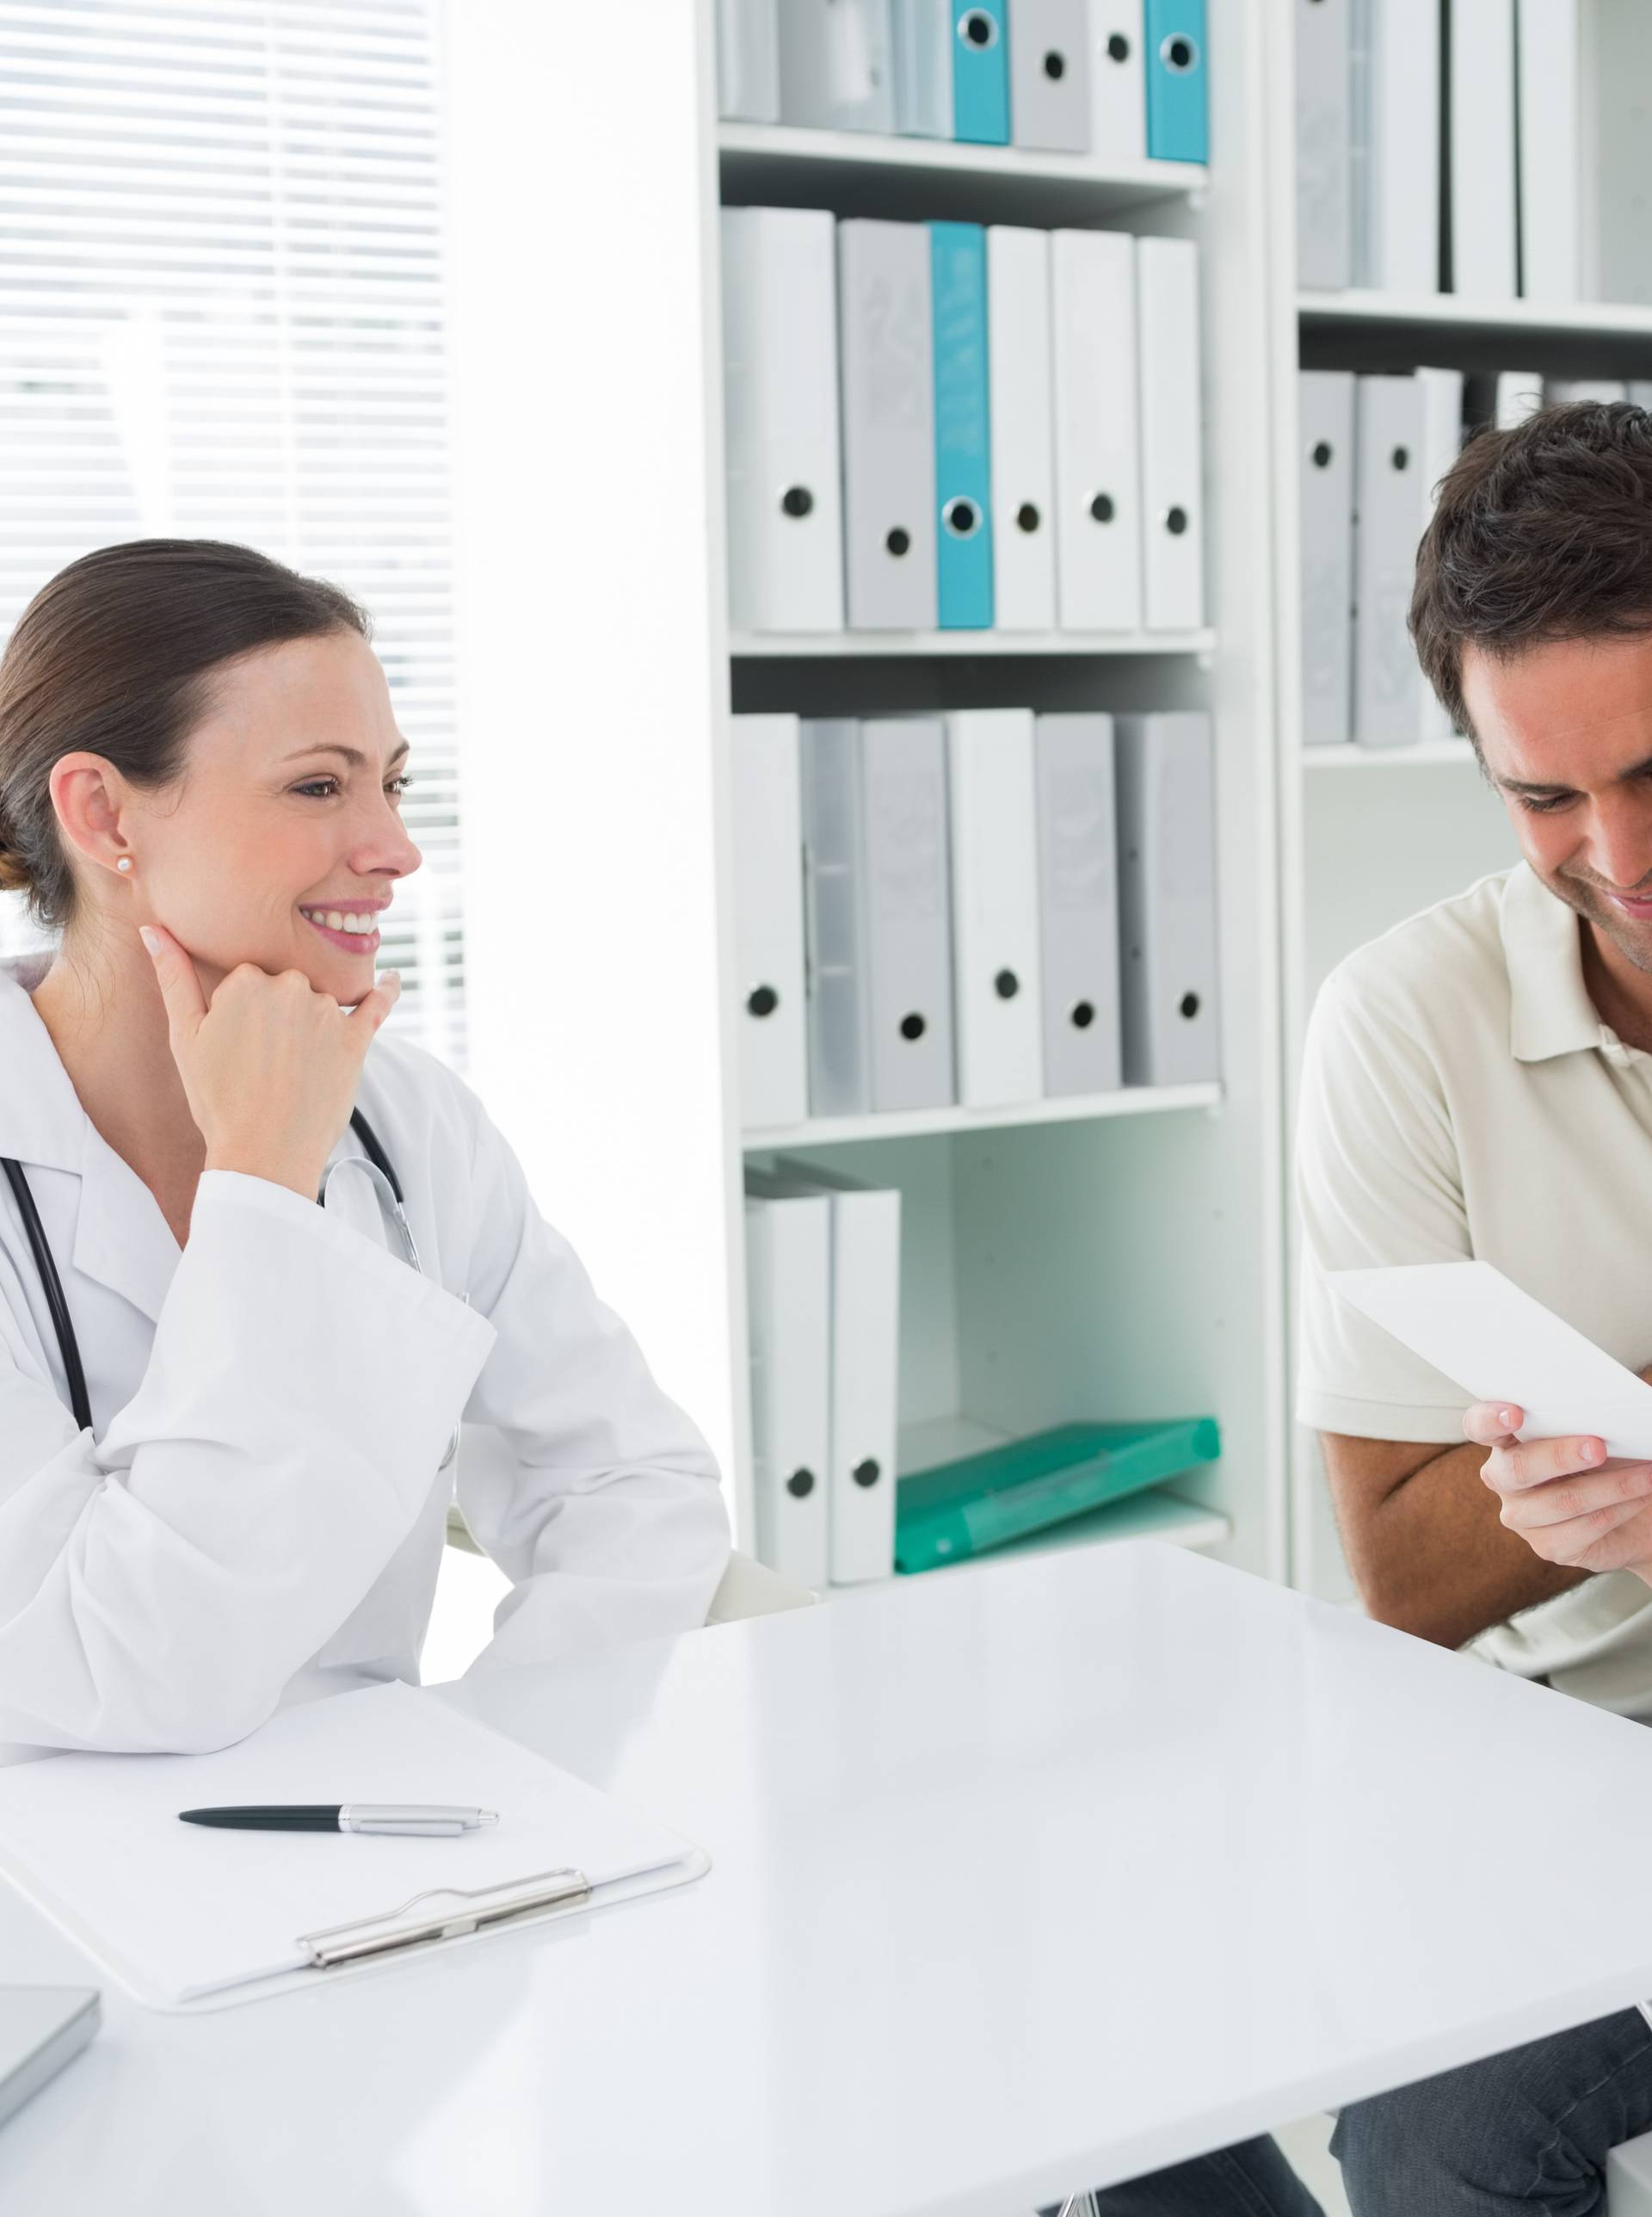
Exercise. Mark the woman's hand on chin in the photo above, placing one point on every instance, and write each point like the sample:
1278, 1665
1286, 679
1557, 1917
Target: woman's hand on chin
270, 1067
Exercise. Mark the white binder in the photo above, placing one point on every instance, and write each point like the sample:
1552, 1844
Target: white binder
1519, 394
1050, 76
1395, 163
1325, 465
768, 921
836, 68
1324, 226
1167, 898
921, 34
908, 912
748, 61
1173, 443
1098, 474
866, 1370
780, 359
1118, 81
1442, 443
1483, 182
996, 988
1020, 378
190, 1918
788, 1300
1549, 154
835, 922
1078, 903
1390, 511
1614, 67
1558, 390
889, 424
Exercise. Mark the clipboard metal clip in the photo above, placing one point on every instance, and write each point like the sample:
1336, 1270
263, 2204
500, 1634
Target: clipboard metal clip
520, 1902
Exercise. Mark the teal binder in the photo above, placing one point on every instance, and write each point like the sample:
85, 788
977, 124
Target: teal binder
981, 72
1177, 71
963, 465
958, 1510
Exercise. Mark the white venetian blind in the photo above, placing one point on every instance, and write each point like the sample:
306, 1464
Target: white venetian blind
221, 316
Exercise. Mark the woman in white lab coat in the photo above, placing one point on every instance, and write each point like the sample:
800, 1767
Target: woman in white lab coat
200, 767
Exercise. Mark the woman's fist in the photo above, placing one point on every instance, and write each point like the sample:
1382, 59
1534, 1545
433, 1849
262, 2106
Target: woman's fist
270, 1069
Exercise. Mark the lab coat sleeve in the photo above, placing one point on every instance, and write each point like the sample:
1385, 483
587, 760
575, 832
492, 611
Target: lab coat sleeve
160, 1586
604, 1508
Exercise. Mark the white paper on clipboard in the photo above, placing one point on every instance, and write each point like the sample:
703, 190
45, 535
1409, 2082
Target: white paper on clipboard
1498, 1343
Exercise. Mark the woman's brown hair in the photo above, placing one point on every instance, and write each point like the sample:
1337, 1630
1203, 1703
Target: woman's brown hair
1541, 532
115, 656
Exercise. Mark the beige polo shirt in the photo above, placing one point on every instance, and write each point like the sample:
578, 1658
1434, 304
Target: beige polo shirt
1461, 1098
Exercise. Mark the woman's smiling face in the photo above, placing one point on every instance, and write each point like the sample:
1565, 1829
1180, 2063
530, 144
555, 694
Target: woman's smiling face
288, 810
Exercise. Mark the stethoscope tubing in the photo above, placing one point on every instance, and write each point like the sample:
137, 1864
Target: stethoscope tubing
63, 1323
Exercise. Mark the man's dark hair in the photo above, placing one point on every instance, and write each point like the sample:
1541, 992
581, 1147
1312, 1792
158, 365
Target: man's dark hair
1541, 532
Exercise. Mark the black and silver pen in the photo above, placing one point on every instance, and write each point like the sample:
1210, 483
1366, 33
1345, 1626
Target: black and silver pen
424, 1818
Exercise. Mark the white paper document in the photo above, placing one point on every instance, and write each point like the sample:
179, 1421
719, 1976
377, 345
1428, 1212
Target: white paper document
180, 1911
1498, 1343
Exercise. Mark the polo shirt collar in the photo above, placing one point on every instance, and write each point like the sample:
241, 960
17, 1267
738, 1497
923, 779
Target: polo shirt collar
1550, 1010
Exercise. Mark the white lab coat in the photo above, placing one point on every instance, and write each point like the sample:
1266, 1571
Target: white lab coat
256, 1516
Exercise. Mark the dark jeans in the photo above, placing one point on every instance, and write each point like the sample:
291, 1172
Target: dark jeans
1522, 2134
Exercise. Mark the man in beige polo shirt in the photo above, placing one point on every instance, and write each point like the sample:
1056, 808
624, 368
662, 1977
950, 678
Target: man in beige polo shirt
1478, 1083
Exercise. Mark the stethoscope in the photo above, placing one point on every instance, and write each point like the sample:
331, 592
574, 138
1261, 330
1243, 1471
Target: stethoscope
375, 1162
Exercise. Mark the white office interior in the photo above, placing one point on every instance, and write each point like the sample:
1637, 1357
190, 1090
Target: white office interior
613, 356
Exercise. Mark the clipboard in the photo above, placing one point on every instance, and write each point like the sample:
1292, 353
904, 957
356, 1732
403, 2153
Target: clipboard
190, 1918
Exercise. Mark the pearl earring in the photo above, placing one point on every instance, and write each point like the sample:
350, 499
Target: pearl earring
125, 863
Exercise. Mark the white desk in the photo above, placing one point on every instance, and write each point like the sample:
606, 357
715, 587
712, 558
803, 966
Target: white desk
1025, 1878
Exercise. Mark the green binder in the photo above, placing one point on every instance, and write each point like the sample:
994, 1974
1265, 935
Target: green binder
957, 1509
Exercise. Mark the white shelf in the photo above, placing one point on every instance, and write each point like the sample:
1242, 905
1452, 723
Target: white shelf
777, 161
771, 644
1154, 1514
1452, 311
1429, 753
917, 1123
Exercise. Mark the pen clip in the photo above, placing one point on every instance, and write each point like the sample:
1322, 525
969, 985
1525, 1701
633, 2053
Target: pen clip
526, 1900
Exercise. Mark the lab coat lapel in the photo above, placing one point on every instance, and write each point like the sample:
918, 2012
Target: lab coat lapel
120, 1239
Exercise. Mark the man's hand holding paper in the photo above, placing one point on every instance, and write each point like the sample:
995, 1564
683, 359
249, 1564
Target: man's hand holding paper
1568, 1500
1578, 1497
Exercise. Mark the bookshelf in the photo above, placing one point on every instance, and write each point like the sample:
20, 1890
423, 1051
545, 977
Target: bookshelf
1119, 1257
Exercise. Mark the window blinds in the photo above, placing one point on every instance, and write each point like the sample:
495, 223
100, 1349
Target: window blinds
221, 316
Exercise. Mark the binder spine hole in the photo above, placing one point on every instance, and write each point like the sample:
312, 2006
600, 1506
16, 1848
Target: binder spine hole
1083, 1015
1188, 1006
868, 1472
762, 1001
1176, 522
1055, 67
797, 500
962, 518
1323, 454
898, 542
913, 1026
1118, 47
1102, 508
1006, 985
1400, 458
1180, 53
800, 1485
977, 29
1028, 516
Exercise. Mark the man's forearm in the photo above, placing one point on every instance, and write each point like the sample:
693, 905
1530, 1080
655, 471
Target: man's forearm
1432, 1556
